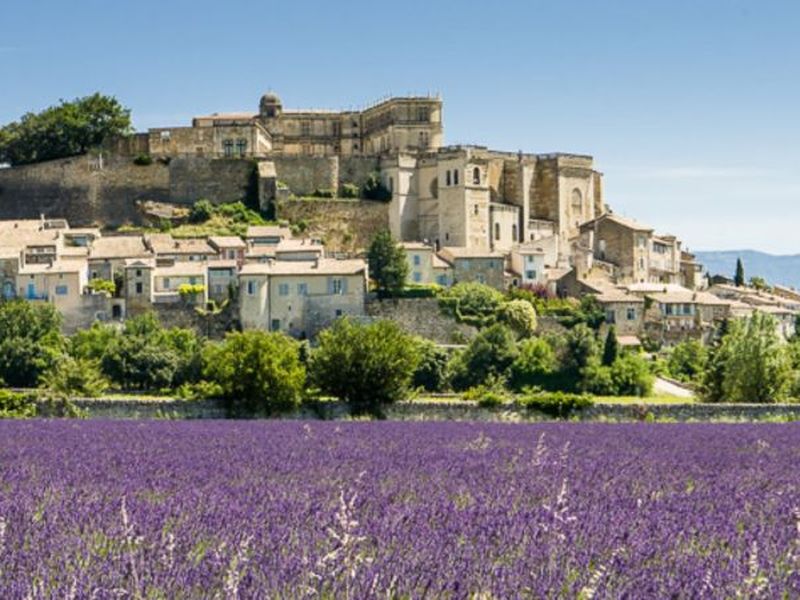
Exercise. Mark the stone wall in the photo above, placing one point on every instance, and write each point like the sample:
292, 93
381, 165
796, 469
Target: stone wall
344, 225
423, 317
105, 189
305, 174
132, 408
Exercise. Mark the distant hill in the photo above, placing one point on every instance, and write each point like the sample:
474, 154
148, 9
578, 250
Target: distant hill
777, 269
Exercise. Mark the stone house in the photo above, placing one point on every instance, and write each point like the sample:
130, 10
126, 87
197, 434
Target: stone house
169, 249
528, 263
482, 266
300, 297
229, 247
168, 279
623, 310
108, 255
425, 266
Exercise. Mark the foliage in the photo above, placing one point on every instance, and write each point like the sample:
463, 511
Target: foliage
350, 190
71, 377
30, 341
202, 211
210, 311
431, 373
582, 347
588, 312
534, 362
387, 264
374, 189
555, 404
191, 290
490, 394
520, 316
201, 390
66, 129
143, 159
92, 343
257, 372
419, 290
611, 347
738, 277
687, 361
489, 354
104, 286
750, 364
471, 302
368, 366
631, 376
14, 405
323, 193
759, 283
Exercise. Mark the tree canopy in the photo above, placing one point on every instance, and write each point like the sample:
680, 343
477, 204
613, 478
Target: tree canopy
66, 129
387, 264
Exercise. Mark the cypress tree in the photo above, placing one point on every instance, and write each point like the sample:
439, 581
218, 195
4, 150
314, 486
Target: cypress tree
611, 349
738, 278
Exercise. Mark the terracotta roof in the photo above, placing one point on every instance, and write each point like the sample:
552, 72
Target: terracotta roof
255, 231
227, 241
118, 246
164, 243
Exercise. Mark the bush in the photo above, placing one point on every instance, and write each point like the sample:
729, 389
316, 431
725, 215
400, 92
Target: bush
202, 390
596, 378
631, 376
490, 354
535, 360
17, 406
520, 316
471, 302
71, 377
419, 290
556, 404
257, 372
102, 286
431, 373
373, 189
350, 190
202, 211
490, 394
143, 160
581, 348
30, 341
687, 361
367, 366
323, 193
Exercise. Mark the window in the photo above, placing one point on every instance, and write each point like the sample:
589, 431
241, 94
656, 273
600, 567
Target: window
455, 176
446, 237
61, 290
139, 288
641, 263
283, 289
227, 148
514, 233
138, 272
441, 279
497, 231
577, 203
337, 128
338, 312
94, 274
417, 260
423, 114
423, 139
337, 286
631, 314
276, 324
302, 289
166, 283
447, 178
192, 280
305, 128
530, 274
417, 277
241, 147
251, 288
476, 176
480, 278
610, 316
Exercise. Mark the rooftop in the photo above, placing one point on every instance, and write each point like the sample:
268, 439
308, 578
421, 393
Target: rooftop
323, 266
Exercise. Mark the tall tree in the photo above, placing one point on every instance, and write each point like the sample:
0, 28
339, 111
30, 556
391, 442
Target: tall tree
67, 129
738, 278
387, 264
611, 348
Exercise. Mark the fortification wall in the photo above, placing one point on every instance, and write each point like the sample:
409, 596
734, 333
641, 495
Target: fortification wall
422, 316
304, 174
344, 225
93, 190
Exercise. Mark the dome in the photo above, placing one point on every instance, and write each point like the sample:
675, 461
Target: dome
270, 98
270, 105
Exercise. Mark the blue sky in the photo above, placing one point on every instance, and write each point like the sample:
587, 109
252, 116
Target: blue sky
690, 108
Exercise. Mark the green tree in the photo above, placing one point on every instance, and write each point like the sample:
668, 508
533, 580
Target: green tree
581, 348
367, 366
687, 361
431, 373
759, 283
387, 264
472, 302
66, 129
92, 343
520, 316
30, 341
631, 376
534, 362
202, 211
489, 354
75, 377
259, 372
738, 278
611, 347
210, 311
374, 189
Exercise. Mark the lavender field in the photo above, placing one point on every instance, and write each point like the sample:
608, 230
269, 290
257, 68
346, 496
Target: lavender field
409, 510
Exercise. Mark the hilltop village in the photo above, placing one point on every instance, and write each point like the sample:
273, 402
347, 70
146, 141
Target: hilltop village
332, 180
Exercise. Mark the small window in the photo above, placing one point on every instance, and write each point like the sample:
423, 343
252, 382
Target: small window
338, 312
455, 176
241, 147
417, 277
497, 231
305, 128
283, 289
302, 289
476, 176
530, 274
251, 288
61, 290
631, 313
166, 283
447, 178
138, 272
139, 288
441, 279
423, 139
610, 316
417, 260
276, 324
227, 148
477, 210
337, 286
514, 233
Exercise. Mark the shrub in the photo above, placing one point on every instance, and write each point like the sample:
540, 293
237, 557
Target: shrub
520, 316
373, 189
30, 341
471, 302
535, 359
367, 366
556, 404
419, 290
431, 373
687, 361
105, 286
631, 376
489, 354
72, 377
143, 159
257, 372
596, 378
17, 406
323, 193
202, 211
490, 394
581, 348
349, 190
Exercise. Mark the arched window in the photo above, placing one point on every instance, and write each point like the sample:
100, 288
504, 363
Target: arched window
577, 202
447, 178
455, 177
497, 231
476, 176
